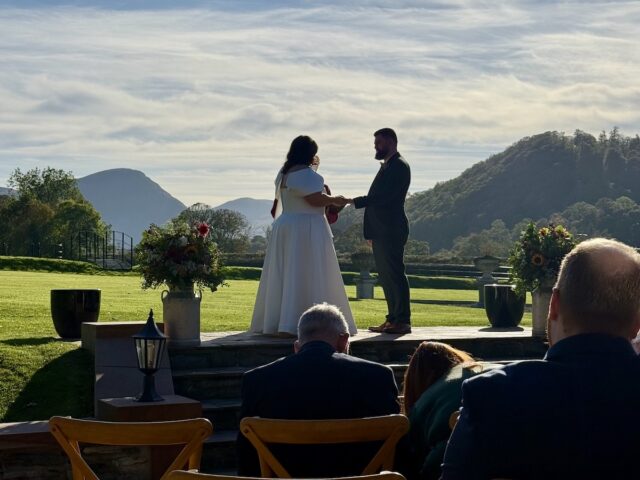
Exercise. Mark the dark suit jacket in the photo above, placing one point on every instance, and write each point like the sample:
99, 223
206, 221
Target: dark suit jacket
384, 215
575, 414
316, 383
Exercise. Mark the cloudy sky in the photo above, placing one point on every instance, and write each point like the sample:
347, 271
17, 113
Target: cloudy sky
205, 97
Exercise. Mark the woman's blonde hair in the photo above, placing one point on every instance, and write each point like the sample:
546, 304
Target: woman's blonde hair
429, 362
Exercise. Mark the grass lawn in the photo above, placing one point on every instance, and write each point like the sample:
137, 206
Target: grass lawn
42, 376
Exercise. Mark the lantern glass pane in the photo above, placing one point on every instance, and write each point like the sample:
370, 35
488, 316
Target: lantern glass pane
151, 355
140, 352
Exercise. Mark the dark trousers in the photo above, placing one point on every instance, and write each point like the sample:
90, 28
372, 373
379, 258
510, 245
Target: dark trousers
389, 257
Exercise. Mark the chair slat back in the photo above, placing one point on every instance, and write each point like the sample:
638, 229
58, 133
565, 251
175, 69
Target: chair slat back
264, 431
70, 432
182, 475
453, 419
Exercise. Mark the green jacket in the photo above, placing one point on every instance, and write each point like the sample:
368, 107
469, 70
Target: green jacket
429, 418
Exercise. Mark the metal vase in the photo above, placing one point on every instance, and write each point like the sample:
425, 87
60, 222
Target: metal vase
540, 299
181, 317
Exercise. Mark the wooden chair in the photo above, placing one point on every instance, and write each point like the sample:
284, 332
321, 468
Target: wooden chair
182, 475
453, 419
263, 431
70, 432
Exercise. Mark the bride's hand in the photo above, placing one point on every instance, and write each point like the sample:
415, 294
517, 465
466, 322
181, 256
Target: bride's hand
339, 201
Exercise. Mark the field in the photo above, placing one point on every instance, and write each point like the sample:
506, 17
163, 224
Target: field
41, 375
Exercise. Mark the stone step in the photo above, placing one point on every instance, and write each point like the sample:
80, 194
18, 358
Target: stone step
209, 383
245, 350
224, 384
219, 452
241, 355
224, 414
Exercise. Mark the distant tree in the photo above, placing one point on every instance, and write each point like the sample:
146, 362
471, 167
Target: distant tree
496, 241
229, 229
258, 244
48, 210
349, 239
26, 226
72, 216
49, 186
416, 247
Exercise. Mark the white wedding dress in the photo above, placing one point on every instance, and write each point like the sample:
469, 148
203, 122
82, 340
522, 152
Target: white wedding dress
300, 266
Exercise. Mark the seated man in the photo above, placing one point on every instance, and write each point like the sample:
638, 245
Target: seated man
573, 414
320, 381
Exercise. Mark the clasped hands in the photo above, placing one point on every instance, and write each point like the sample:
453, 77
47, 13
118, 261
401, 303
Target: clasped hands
341, 201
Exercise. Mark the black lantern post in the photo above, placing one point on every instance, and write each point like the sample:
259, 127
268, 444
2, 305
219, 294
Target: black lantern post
149, 344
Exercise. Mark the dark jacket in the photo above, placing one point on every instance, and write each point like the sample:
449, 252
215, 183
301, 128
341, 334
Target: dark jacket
316, 383
384, 215
572, 415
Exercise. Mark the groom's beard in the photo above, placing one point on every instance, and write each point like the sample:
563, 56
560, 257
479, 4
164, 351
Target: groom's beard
381, 154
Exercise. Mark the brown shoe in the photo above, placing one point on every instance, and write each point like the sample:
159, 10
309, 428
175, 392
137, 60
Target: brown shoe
380, 328
398, 329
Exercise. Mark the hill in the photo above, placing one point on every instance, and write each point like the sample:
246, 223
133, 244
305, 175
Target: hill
534, 178
128, 200
7, 191
256, 211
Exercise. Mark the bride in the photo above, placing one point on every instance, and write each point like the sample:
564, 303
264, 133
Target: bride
300, 266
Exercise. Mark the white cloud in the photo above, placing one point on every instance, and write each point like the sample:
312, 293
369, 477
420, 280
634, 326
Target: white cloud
206, 100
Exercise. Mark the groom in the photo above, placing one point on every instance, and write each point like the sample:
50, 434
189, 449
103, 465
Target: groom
387, 229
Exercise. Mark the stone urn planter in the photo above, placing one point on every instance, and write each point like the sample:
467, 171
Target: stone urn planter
485, 265
181, 317
503, 306
70, 308
363, 261
540, 300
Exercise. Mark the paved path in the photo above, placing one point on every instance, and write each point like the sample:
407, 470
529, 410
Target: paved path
418, 333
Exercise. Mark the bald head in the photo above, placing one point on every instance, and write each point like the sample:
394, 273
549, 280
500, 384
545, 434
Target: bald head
598, 288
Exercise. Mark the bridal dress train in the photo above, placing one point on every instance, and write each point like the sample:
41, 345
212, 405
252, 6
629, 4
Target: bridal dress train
300, 265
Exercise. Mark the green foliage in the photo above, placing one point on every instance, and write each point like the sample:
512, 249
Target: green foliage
536, 256
229, 229
49, 186
533, 178
48, 210
180, 256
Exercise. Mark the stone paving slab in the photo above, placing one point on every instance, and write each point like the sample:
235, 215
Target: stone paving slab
417, 334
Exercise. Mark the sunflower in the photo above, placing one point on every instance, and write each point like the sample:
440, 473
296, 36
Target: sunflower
537, 259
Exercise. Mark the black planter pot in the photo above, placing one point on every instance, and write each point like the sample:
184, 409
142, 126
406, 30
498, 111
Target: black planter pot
504, 307
71, 308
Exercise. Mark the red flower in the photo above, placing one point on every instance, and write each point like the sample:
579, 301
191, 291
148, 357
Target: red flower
203, 229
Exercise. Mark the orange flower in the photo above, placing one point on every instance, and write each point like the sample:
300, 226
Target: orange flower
537, 259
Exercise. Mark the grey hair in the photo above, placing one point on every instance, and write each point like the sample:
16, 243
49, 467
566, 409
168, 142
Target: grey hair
322, 321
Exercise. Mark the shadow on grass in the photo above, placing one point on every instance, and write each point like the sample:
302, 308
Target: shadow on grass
29, 342
453, 303
63, 386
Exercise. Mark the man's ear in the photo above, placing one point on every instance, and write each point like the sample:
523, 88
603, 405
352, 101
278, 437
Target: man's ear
296, 346
554, 305
343, 343
553, 324
635, 328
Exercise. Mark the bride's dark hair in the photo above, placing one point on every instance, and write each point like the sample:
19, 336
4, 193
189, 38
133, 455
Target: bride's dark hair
301, 152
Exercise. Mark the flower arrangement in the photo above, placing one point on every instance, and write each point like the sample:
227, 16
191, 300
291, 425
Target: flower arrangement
179, 256
535, 258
